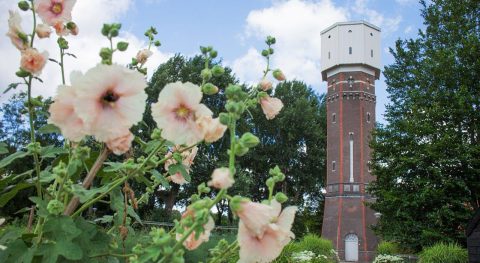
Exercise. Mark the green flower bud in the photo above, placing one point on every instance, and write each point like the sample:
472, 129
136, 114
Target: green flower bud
122, 46
114, 32
106, 54
34, 147
235, 107
55, 207
209, 48
235, 203
265, 53
278, 75
270, 182
23, 5
204, 50
22, 73
213, 54
106, 29
209, 89
36, 102
275, 171
134, 62
240, 149
62, 43
224, 118
235, 92
281, 197
217, 70
270, 50
206, 74
249, 140
203, 188
157, 43
270, 40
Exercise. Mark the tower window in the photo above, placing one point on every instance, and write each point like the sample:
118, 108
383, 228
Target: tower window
329, 36
371, 53
371, 34
368, 117
334, 118
334, 166
350, 50
349, 31
328, 54
351, 157
369, 166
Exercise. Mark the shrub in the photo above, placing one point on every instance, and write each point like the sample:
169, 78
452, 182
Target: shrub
444, 253
310, 246
388, 248
316, 244
388, 259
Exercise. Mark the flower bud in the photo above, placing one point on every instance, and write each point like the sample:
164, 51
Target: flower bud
114, 32
22, 73
278, 75
206, 74
122, 46
249, 140
224, 118
270, 40
265, 53
73, 28
235, 92
265, 85
106, 53
235, 203
213, 54
156, 134
270, 50
34, 147
270, 182
23, 5
157, 43
204, 50
235, 107
55, 207
62, 43
106, 29
43, 31
281, 197
209, 89
217, 71
240, 149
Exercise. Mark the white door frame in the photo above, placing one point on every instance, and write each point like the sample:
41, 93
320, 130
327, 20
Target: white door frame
351, 247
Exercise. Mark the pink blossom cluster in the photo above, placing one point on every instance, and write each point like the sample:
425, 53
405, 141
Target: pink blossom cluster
187, 161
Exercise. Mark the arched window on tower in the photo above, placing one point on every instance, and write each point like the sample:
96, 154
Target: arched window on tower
368, 117
334, 118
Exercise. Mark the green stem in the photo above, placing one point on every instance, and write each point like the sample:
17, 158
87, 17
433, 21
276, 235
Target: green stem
34, 23
227, 251
268, 65
62, 53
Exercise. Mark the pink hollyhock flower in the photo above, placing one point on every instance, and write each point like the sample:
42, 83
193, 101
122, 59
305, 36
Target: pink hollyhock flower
43, 31
33, 61
15, 31
187, 161
191, 243
221, 179
61, 29
255, 217
62, 114
265, 85
271, 106
143, 55
276, 236
212, 128
177, 110
121, 144
52, 11
110, 100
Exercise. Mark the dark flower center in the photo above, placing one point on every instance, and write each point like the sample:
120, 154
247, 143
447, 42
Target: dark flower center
109, 98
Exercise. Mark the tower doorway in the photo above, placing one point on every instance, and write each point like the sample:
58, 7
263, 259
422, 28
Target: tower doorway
351, 247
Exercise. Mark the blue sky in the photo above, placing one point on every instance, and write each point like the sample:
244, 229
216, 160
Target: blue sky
236, 28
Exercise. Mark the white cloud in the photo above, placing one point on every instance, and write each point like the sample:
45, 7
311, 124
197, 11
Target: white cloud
408, 29
89, 16
405, 2
296, 25
387, 24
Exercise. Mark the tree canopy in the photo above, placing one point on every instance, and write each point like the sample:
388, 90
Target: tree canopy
427, 158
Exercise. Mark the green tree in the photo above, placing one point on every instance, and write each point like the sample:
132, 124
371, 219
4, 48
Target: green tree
427, 158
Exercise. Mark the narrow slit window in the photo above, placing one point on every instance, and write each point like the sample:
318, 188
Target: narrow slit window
328, 54
371, 53
368, 117
350, 50
351, 157
334, 166
334, 118
369, 166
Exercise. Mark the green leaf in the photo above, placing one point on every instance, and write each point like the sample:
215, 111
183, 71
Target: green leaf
12, 157
41, 205
158, 176
112, 167
49, 128
179, 168
60, 231
46, 176
104, 219
92, 240
4, 198
151, 145
17, 252
3, 148
86, 194
52, 151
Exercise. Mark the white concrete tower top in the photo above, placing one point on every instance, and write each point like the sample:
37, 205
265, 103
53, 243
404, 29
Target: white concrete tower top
351, 46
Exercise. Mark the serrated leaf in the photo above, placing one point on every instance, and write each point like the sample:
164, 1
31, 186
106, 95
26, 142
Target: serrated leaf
12, 157
4, 198
46, 177
158, 176
112, 167
41, 205
104, 219
151, 145
86, 194
49, 128
17, 252
179, 168
52, 151
92, 240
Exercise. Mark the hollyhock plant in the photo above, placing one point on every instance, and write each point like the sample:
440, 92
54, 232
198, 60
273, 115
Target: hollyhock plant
212, 129
143, 55
15, 32
269, 245
63, 115
271, 106
191, 242
33, 61
110, 100
43, 31
255, 217
121, 144
53, 11
265, 85
187, 161
221, 178
177, 111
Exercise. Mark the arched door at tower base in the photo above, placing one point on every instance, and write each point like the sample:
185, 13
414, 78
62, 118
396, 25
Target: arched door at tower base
351, 247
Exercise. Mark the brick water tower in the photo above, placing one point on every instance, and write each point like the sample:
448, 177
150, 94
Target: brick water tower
350, 65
